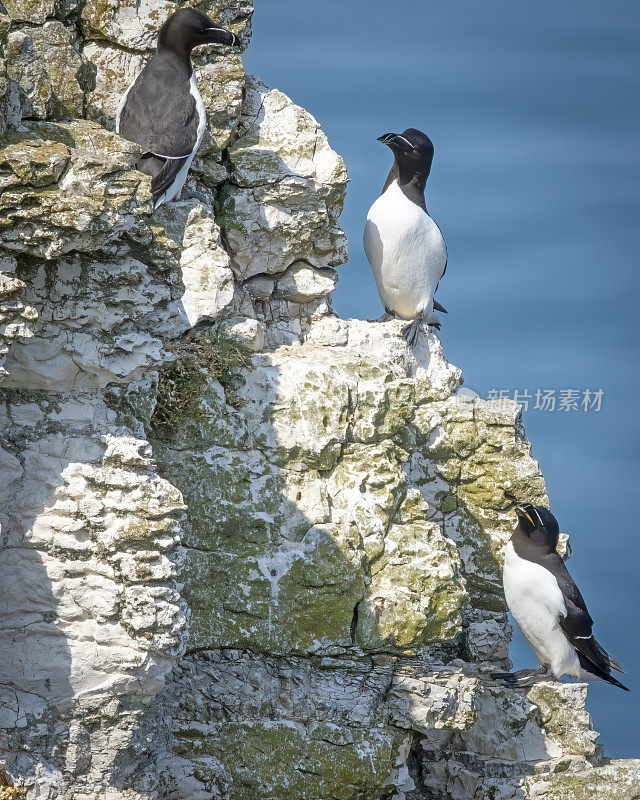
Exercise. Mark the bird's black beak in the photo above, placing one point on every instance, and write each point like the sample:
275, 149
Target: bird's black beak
217, 35
396, 142
386, 138
524, 511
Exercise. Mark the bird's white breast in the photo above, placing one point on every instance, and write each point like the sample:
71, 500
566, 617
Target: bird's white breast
406, 251
202, 114
122, 102
536, 602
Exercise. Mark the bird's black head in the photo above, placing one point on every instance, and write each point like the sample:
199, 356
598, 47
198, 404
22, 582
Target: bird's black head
538, 524
413, 151
188, 28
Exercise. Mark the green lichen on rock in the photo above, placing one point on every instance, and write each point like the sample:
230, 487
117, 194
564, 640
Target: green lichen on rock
68, 186
33, 11
27, 159
557, 707
298, 601
309, 416
493, 459
229, 600
134, 404
485, 462
129, 24
366, 489
233, 496
48, 70
416, 593
283, 760
382, 408
618, 780
317, 595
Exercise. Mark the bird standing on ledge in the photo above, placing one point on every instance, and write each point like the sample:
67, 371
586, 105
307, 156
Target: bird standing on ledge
162, 110
548, 606
403, 244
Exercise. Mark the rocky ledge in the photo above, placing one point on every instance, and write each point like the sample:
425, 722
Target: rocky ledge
249, 549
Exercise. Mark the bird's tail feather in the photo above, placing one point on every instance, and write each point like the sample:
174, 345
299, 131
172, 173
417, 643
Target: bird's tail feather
612, 663
163, 172
590, 667
438, 307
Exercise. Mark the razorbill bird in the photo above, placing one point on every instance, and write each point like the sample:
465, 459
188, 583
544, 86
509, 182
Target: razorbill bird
548, 606
162, 110
403, 244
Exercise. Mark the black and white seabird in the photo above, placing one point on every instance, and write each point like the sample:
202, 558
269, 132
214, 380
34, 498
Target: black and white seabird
162, 110
403, 244
548, 606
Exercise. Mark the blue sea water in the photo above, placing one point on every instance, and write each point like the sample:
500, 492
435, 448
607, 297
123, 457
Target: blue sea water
534, 110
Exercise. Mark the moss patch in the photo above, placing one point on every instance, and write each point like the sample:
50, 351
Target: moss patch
224, 210
214, 354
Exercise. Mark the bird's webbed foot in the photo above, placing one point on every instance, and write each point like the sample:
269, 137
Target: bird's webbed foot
411, 331
386, 317
523, 677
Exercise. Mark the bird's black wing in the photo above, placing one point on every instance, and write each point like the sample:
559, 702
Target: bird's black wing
577, 628
160, 113
577, 625
444, 271
446, 264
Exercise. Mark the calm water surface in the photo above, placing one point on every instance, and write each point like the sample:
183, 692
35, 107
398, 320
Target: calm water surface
535, 115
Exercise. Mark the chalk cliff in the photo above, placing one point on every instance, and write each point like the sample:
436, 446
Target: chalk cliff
249, 550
